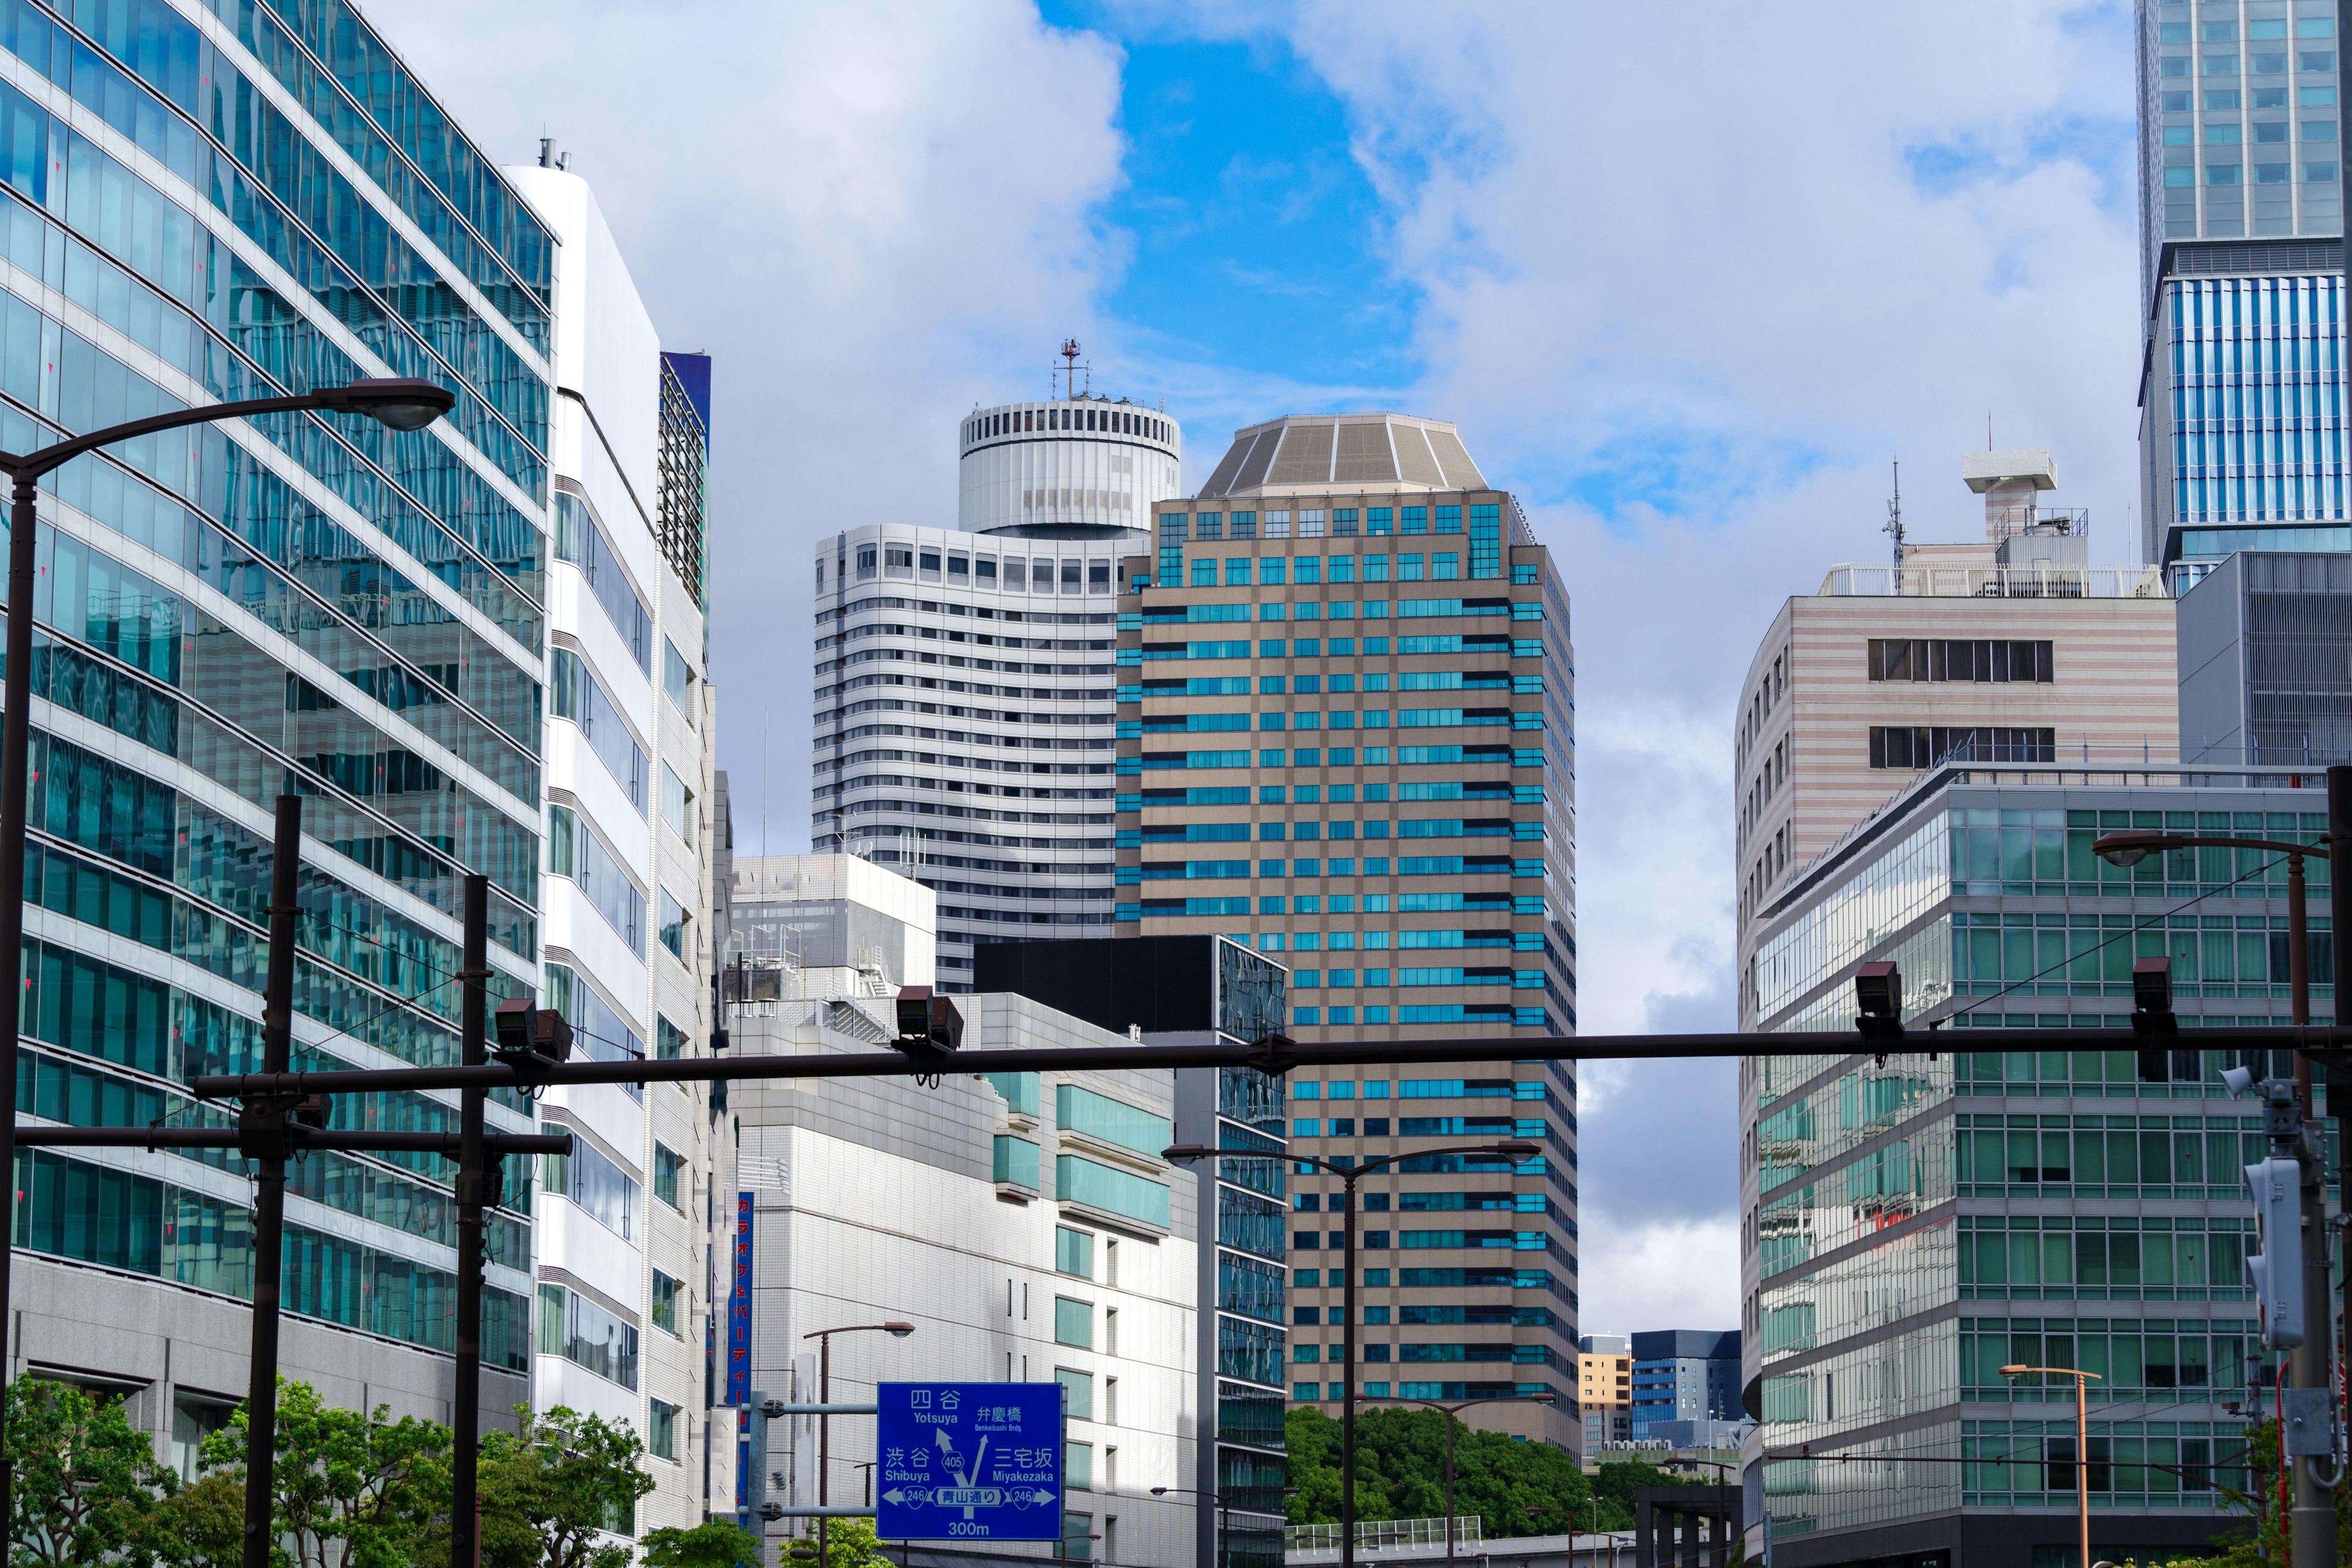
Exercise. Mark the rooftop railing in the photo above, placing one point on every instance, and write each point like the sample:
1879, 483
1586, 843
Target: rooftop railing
2035, 580
2145, 765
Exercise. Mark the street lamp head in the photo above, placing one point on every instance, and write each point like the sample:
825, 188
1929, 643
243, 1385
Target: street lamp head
398, 402
2132, 845
897, 1330
1518, 1149
1185, 1154
1159, 1492
2015, 1370
1543, 1398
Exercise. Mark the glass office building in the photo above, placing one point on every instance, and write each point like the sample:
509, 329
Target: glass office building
1345, 738
2242, 279
1912, 1223
202, 205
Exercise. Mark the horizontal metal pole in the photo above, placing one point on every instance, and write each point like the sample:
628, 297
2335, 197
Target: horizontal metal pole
495, 1144
1320, 1053
781, 1408
821, 1513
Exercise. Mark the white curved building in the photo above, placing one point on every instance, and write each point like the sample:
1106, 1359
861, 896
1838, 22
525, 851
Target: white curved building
1087, 461
965, 697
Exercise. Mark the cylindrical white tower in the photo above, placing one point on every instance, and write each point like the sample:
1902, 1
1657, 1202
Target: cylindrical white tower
1077, 463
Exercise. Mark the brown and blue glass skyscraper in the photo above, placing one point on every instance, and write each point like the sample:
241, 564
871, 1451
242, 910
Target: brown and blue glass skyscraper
1346, 736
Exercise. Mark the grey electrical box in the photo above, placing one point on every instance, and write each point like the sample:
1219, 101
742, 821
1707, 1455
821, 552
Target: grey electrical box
2310, 1423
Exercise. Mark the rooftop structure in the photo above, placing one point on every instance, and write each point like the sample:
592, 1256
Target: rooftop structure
2010, 649
1343, 454
1082, 467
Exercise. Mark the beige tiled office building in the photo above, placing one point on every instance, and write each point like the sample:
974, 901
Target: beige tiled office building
1605, 1389
2011, 649
1345, 737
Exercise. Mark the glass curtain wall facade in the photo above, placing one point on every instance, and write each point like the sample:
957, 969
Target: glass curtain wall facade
2241, 396
307, 604
1911, 1227
1239, 1112
1273, 648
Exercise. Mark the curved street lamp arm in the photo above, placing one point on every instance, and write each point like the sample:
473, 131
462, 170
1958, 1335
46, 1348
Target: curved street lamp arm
28, 466
2157, 843
1376, 1162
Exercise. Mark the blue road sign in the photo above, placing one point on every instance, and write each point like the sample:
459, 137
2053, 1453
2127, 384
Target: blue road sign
977, 1461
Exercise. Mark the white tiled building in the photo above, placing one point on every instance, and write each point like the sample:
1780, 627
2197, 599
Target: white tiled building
623, 1277
964, 687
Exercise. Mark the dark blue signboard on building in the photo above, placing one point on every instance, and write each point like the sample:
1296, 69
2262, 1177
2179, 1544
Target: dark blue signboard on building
980, 1461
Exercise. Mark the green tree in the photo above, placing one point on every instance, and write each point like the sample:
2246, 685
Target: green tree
1312, 1441
1514, 1488
86, 1480
550, 1492
714, 1543
850, 1543
364, 1484
202, 1524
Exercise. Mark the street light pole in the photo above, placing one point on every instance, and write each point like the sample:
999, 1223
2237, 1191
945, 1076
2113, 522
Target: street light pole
2082, 1442
399, 403
823, 1338
1450, 1412
1225, 1519
1349, 1176
2313, 1530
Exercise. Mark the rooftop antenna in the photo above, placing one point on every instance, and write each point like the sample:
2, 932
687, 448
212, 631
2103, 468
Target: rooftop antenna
1069, 366
1893, 529
1988, 429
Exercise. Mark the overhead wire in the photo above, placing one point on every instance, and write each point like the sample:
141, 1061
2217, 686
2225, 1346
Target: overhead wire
2153, 920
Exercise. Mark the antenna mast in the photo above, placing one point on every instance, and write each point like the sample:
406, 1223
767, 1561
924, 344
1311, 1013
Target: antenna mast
1893, 529
1069, 367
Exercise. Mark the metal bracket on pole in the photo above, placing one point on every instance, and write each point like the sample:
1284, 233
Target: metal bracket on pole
775, 1510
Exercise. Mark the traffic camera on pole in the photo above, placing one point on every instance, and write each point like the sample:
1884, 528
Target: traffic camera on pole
531, 1036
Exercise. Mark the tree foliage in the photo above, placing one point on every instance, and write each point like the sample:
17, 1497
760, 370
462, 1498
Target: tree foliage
354, 1489
715, 1544
550, 1491
852, 1544
358, 1487
202, 1524
86, 1479
1515, 1487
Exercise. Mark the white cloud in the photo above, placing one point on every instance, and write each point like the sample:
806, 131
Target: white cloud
868, 215
1677, 281
1659, 1275
1685, 289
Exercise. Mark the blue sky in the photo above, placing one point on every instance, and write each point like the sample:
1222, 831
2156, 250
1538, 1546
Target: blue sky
1687, 278
1255, 242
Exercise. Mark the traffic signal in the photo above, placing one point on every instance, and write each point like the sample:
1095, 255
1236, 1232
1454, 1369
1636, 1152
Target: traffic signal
2276, 1185
2152, 1018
